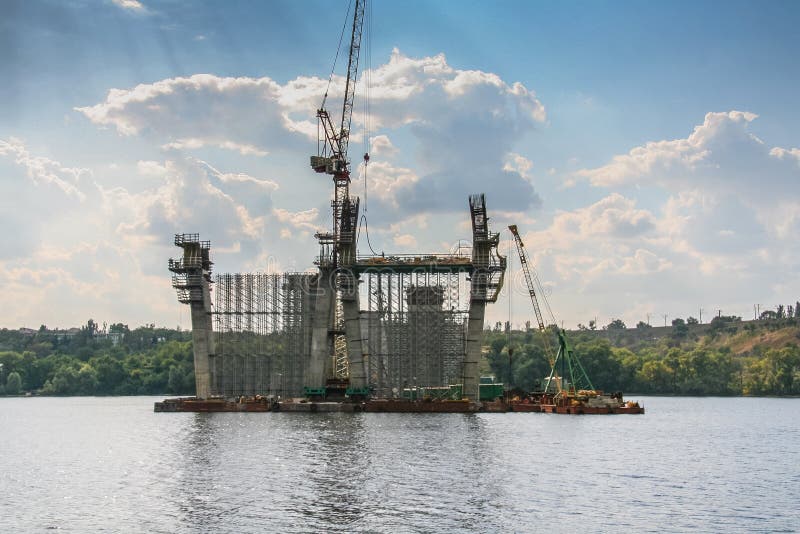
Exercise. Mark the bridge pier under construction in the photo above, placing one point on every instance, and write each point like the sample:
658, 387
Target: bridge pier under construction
379, 327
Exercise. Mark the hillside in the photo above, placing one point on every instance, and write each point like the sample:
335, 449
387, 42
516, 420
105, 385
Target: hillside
725, 357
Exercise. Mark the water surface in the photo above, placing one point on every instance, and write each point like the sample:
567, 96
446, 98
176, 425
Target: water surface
110, 464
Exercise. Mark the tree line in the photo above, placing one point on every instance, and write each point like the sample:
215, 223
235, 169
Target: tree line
143, 361
151, 361
678, 364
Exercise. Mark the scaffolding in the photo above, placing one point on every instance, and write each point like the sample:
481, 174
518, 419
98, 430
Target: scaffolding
415, 327
262, 324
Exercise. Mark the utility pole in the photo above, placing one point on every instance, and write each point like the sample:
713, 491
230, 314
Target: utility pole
719, 313
701, 315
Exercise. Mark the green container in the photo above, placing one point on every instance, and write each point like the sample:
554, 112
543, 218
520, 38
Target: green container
313, 392
490, 392
412, 393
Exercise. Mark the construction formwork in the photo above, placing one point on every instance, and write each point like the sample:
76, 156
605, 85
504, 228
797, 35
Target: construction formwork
262, 326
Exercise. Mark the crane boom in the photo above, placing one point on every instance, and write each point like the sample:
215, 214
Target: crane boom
523, 259
352, 71
332, 155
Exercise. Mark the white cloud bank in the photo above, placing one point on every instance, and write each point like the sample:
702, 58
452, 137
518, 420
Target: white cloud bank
461, 124
722, 231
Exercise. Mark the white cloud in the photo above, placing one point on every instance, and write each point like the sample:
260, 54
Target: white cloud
132, 5
782, 153
302, 220
195, 143
381, 145
447, 117
151, 168
405, 241
42, 170
611, 217
386, 182
720, 156
519, 164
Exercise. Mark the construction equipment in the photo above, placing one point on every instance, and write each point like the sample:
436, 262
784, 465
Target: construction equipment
332, 159
572, 376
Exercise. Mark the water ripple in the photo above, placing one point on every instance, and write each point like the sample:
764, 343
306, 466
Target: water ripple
111, 465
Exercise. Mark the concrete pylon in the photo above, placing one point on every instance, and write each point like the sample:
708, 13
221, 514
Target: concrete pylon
324, 296
352, 329
192, 281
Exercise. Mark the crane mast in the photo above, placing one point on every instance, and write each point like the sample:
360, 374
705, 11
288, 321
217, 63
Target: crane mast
338, 247
332, 159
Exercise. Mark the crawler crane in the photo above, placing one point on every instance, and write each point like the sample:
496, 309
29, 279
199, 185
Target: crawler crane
568, 388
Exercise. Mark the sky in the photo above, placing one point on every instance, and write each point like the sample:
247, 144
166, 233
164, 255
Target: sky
647, 151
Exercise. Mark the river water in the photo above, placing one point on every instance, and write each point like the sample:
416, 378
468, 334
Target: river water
111, 464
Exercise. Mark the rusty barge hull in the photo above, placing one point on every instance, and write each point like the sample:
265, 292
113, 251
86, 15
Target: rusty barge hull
213, 405
263, 404
591, 410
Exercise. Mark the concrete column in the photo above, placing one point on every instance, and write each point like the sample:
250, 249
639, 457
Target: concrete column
203, 343
352, 329
319, 367
477, 309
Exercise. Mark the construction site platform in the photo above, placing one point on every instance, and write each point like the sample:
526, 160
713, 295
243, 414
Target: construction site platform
410, 263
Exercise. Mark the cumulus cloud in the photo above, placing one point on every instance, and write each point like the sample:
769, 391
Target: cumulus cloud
519, 164
721, 156
202, 110
461, 124
612, 217
387, 182
301, 220
667, 160
381, 145
747, 187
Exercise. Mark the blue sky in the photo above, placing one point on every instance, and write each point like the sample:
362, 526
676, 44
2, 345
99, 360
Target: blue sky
648, 150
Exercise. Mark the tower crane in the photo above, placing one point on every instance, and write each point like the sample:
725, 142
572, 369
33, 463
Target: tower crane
338, 247
331, 155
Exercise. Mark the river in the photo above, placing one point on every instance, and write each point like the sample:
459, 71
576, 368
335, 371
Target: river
91, 464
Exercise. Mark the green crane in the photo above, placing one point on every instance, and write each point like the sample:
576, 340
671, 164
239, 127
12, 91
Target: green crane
565, 364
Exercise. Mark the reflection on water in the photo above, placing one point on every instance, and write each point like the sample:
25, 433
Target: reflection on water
100, 464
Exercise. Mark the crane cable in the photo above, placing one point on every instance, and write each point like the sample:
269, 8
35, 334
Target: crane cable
336, 57
366, 78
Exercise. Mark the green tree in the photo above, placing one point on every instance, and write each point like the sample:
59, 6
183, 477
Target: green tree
616, 324
657, 376
679, 328
13, 383
110, 374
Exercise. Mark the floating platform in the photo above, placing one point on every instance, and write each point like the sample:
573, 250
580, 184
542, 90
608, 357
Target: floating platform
192, 404
270, 404
591, 410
